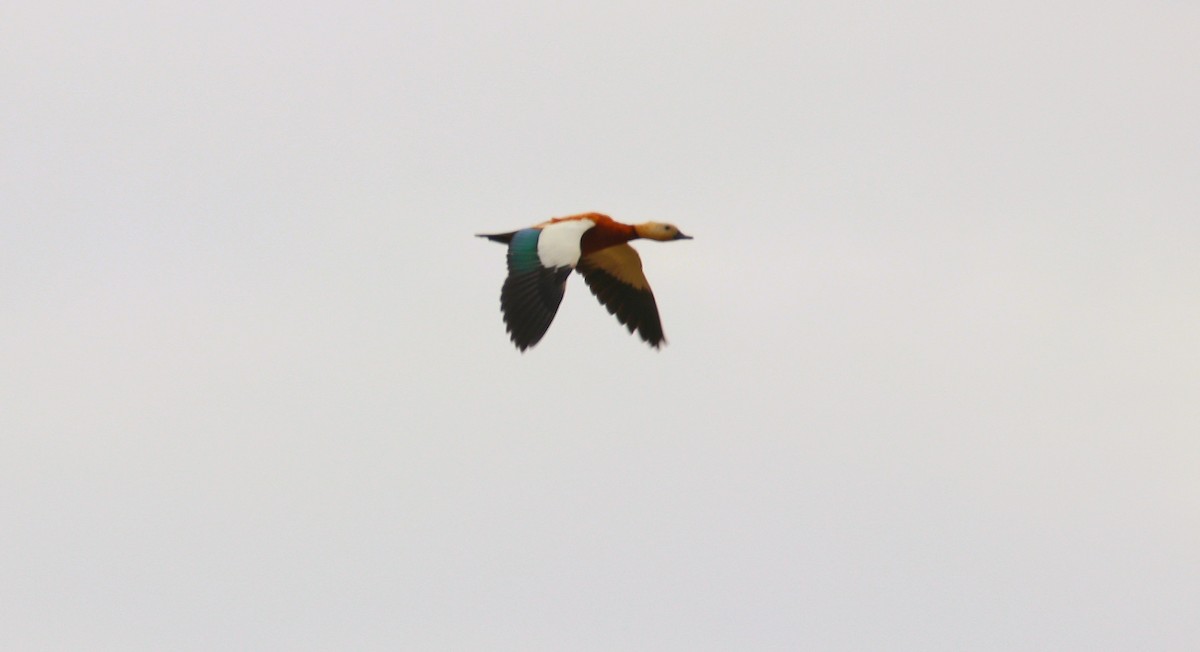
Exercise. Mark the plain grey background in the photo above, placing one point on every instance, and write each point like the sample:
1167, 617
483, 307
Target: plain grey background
933, 369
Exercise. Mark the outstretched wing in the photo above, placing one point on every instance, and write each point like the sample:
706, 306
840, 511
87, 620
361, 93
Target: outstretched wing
539, 262
615, 276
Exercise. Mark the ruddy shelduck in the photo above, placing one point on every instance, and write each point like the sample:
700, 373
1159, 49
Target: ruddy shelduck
541, 257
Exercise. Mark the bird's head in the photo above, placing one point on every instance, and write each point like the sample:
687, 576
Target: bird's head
660, 231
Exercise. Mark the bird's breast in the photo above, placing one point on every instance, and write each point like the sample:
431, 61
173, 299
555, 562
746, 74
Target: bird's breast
604, 236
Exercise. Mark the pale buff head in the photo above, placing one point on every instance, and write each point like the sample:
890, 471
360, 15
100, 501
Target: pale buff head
660, 231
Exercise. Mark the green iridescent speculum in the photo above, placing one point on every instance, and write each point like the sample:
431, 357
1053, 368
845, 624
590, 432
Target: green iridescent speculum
523, 251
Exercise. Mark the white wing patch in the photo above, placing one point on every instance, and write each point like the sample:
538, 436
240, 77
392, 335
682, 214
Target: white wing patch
558, 244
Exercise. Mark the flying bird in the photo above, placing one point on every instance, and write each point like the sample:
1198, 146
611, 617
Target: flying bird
541, 257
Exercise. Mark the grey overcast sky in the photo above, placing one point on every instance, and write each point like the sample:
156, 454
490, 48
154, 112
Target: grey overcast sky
933, 380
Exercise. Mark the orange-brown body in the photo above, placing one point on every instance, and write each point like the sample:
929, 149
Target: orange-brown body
607, 232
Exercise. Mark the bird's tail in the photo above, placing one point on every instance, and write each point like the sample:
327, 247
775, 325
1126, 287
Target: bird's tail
503, 238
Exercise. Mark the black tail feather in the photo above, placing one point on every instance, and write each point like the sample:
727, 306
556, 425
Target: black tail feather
503, 238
